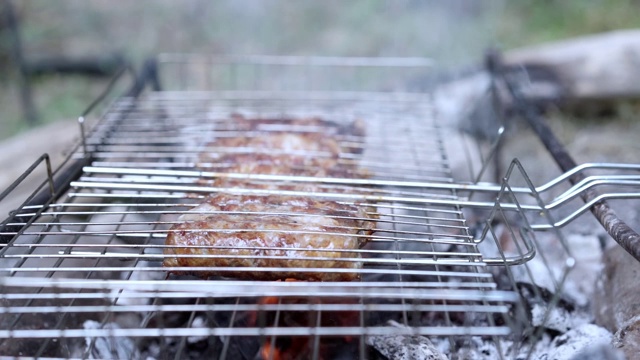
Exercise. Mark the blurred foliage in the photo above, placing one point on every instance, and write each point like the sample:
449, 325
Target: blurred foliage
527, 22
303, 27
453, 32
56, 97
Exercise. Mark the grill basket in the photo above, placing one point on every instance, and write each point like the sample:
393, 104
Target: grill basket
453, 259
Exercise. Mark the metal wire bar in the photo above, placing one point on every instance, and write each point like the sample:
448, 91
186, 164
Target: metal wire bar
110, 229
91, 182
257, 331
585, 184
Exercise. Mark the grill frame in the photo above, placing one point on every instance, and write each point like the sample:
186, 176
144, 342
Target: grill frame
508, 202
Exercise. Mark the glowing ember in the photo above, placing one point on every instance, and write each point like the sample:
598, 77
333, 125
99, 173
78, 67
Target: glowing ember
300, 347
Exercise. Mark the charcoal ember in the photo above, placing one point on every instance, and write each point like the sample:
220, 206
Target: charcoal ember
404, 347
617, 303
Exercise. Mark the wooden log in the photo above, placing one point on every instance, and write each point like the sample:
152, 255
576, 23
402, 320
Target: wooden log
601, 66
584, 75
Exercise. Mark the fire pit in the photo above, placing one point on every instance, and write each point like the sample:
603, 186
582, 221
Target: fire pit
81, 266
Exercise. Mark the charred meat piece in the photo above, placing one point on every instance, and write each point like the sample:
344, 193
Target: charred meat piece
248, 232
259, 234
304, 147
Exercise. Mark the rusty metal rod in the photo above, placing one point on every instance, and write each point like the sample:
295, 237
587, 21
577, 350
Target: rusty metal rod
624, 235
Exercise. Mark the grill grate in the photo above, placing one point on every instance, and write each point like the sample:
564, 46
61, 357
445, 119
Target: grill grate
86, 270
112, 223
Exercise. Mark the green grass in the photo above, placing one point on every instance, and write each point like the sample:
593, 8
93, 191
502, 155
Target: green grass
55, 98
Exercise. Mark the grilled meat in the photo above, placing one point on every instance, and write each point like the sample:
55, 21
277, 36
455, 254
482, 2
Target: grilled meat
284, 236
304, 147
291, 232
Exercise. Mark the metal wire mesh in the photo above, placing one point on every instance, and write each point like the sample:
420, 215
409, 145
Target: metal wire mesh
83, 276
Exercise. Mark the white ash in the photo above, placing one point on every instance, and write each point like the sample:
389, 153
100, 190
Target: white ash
442, 344
198, 322
581, 281
579, 285
404, 347
572, 345
154, 351
599, 352
559, 318
128, 297
478, 349
573, 342
111, 218
577, 333
138, 223
109, 347
145, 275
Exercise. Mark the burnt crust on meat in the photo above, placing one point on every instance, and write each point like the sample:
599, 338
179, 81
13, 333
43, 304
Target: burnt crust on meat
250, 231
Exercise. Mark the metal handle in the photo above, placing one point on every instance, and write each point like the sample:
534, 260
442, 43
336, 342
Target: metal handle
624, 235
36, 198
